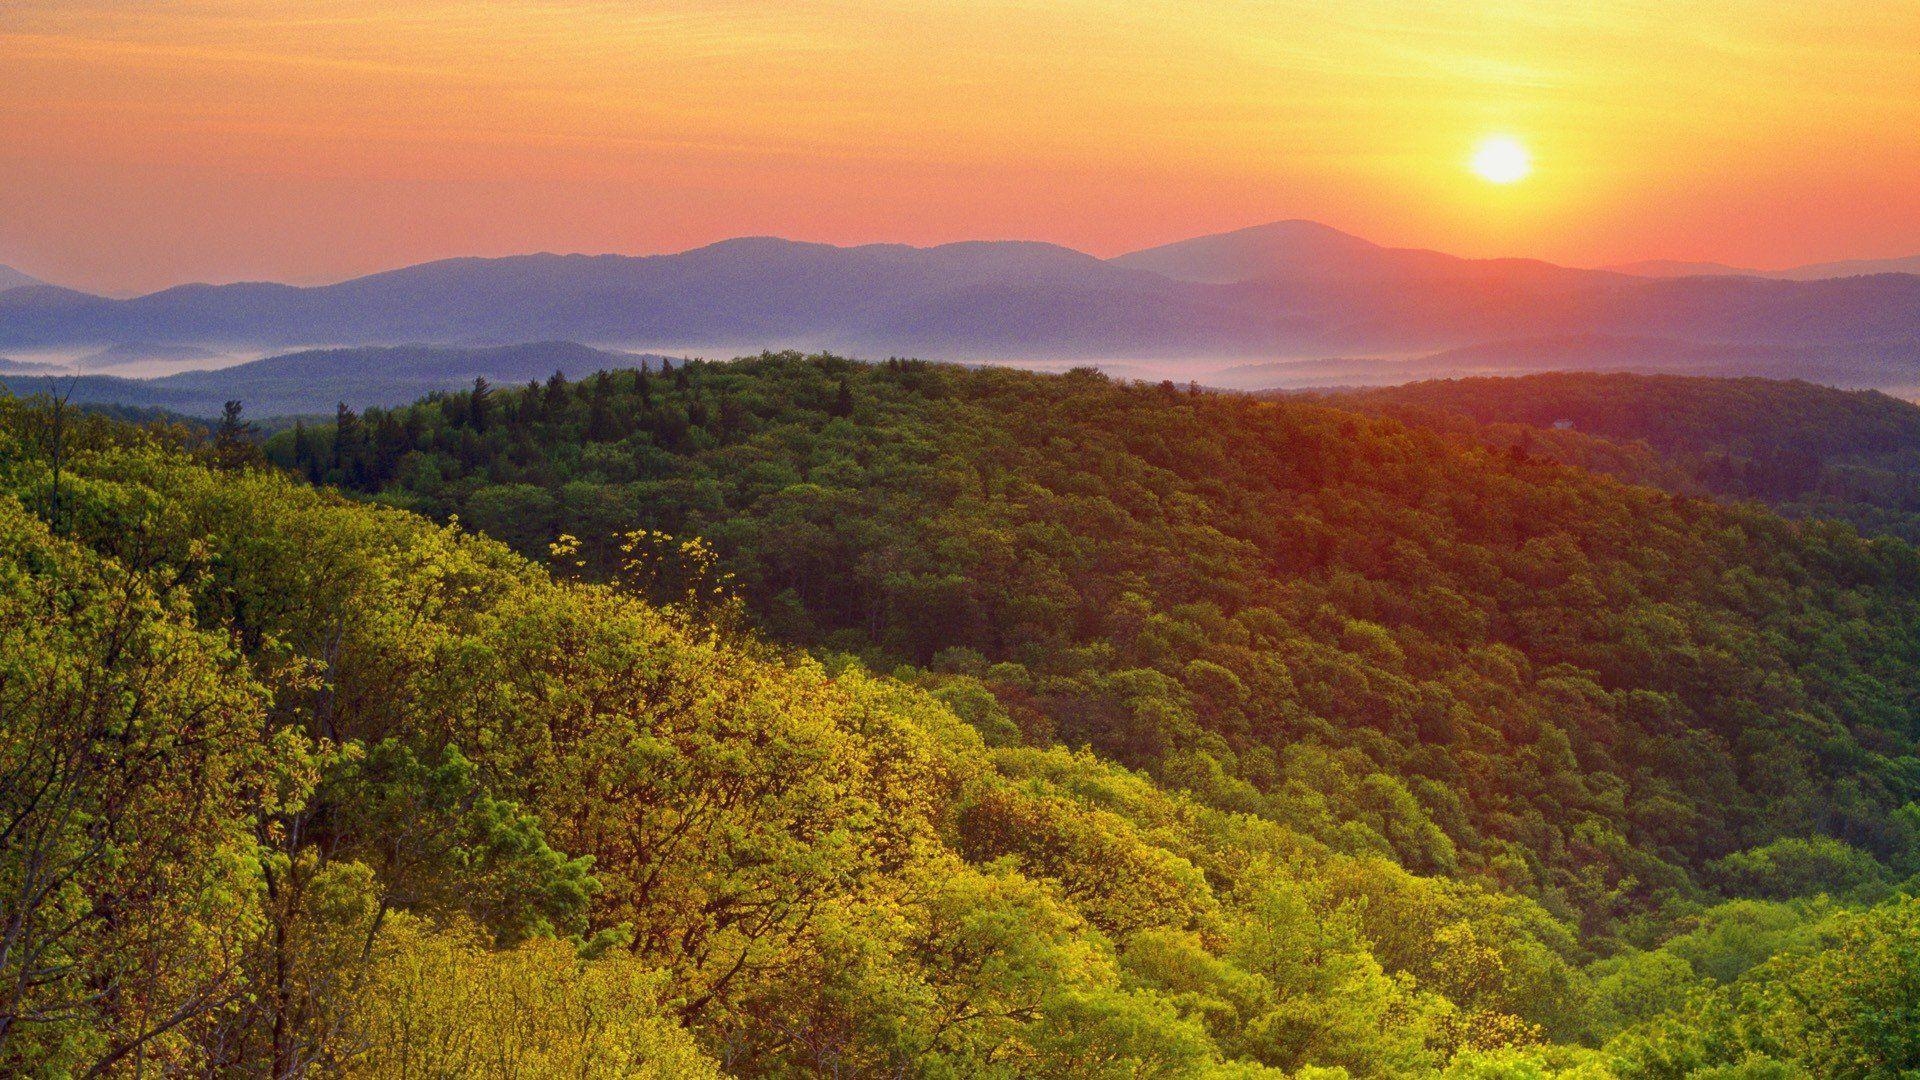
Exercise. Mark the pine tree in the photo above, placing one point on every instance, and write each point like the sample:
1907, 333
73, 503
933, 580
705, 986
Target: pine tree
390, 444
480, 404
599, 409
306, 461
347, 437
235, 443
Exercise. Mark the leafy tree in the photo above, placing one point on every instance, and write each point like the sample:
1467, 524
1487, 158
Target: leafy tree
1793, 866
132, 777
443, 1003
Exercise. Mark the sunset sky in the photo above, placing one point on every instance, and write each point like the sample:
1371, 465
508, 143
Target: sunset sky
145, 144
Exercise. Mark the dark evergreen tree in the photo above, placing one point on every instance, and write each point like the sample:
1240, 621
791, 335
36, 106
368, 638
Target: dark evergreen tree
556, 394
480, 403
236, 442
348, 440
306, 458
600, 425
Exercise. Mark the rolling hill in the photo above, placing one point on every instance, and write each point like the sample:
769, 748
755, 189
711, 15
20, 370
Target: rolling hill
1221, 739
1805, 450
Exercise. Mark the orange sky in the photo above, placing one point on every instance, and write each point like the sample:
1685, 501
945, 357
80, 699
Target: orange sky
148, 143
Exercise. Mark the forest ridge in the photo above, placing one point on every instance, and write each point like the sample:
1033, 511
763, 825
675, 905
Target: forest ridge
911, 720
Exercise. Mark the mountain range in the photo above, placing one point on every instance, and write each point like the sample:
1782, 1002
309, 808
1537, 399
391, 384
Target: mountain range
1286, 291
313, 381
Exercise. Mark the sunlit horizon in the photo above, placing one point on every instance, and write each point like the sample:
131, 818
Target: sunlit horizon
213, 140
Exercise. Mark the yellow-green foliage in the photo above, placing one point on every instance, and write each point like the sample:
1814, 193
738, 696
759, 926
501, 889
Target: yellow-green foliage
133, 774
359, 794
443, 1003
1422, 643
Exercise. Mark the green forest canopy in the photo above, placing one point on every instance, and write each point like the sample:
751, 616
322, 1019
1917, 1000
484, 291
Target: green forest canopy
1405, 756
1804, 449
1467, 660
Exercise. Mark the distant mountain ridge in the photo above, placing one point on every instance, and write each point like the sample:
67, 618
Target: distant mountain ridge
14, 279
1309, 251
316, 380
136, 352
1284, 291
26, 367
1663, 268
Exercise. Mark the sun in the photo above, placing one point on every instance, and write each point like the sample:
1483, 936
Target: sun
1501, 159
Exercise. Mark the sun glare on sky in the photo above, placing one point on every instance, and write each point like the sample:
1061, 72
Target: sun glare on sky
1501, 159
150, 144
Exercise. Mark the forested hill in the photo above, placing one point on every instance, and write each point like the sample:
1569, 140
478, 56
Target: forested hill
1475, 662
1454, 762
1807, 450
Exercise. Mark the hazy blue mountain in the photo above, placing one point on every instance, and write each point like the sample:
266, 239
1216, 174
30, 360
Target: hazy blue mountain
1664, 268
137, 352
98, 390
10, 366
1293, 251
1887, 365
14, 279
1602, 352
1850, 268
1290, 290
316, 380
1810, 272
1280, 250
736, 294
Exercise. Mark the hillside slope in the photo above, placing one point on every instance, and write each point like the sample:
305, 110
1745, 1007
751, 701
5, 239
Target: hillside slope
1475, 661
387, 798
1806, 450
384, 798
